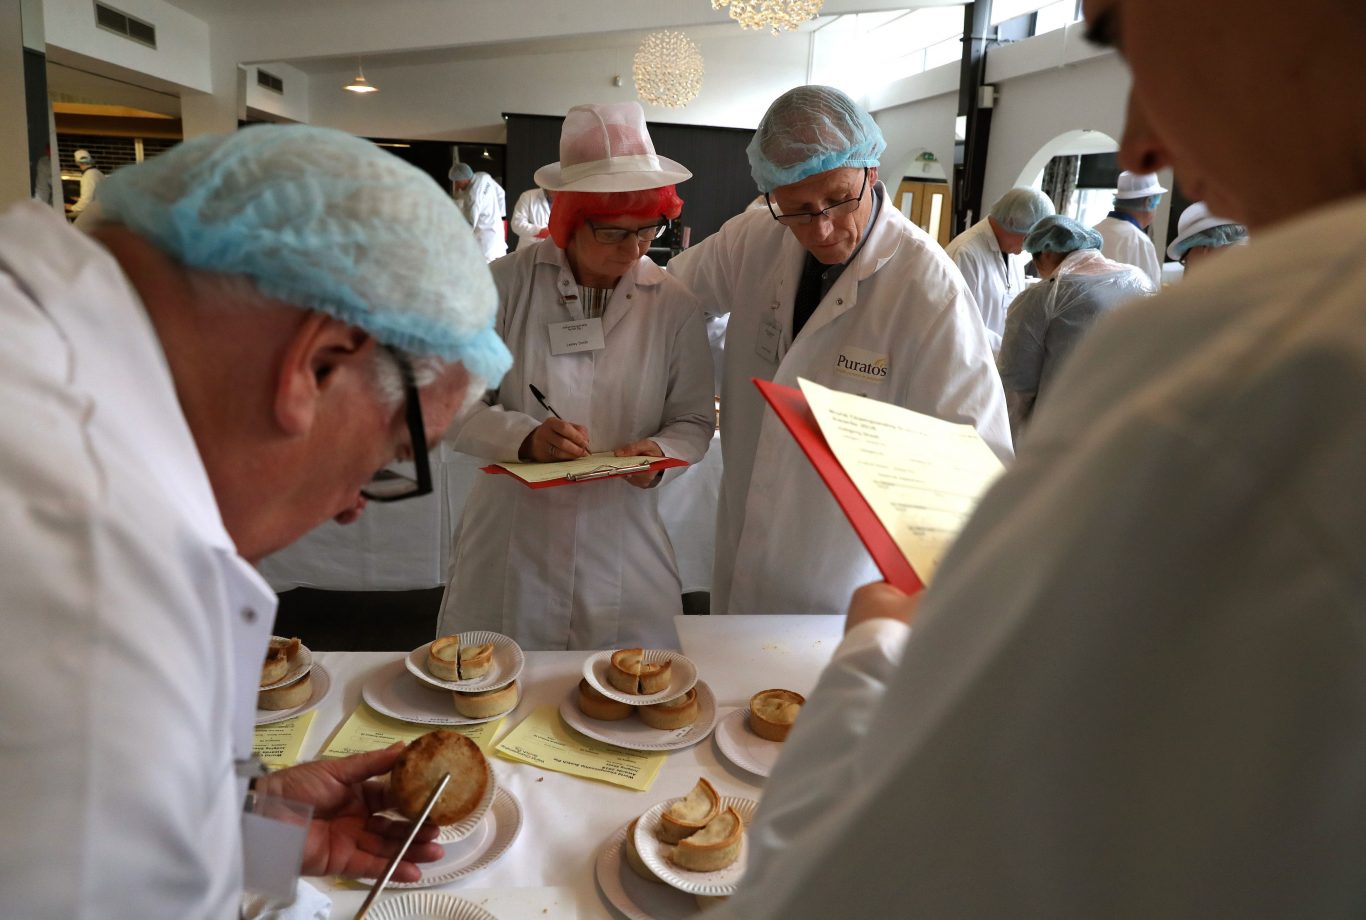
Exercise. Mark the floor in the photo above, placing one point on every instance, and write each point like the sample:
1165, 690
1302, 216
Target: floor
379, 621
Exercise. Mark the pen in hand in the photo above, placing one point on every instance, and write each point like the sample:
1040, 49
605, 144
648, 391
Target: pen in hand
540, 398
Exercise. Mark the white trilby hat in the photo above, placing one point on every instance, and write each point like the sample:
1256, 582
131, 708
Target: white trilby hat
1195, 219
1135, 185
606, 148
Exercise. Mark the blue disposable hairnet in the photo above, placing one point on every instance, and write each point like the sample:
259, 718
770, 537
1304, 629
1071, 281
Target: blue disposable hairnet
1138, 204
325, 221
1019, 209
1214, 237
810, 130
460, 172
1057, 233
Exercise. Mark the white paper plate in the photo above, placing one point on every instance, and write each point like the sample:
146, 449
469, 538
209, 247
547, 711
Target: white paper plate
683, 673
494, 835
636, 735
394, 692
744, 748
322, 682
426, 905
302, 662
631, 894
655, 853
507, 663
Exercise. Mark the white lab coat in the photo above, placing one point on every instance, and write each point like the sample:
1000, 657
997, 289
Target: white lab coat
782, 544
994, 278
530, 215
1137, 687
583, 566
484, 204
1126, 243
135, 631
90, 183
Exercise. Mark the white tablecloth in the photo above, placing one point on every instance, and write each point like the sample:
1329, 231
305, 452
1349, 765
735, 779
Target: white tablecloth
406, 545
549, 872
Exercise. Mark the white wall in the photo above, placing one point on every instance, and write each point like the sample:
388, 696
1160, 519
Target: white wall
464, 100
181, 56
908, 129
292, 105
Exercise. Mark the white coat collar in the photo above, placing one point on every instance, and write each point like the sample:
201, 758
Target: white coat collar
644, 274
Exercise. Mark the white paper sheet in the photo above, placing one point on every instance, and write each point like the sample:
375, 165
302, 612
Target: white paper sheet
922, 476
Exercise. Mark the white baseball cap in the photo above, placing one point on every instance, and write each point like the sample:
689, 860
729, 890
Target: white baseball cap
1135, 185
1195, 219
606, 148
83, 156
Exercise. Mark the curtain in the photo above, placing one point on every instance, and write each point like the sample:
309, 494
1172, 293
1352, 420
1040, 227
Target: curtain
1060, 181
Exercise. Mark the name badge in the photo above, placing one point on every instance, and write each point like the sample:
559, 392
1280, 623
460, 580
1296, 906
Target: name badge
576, 335
770, 334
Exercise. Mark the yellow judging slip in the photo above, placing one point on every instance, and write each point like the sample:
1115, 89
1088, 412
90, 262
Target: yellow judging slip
544, 741
279, 743
367, 730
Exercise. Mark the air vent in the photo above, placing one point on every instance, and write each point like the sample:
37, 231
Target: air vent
112, 20
268, 80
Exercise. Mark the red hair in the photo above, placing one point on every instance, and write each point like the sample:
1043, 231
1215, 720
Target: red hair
569, 210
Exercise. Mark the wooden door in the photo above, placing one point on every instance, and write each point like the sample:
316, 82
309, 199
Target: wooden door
928, 205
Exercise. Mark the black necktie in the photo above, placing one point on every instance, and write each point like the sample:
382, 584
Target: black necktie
808, 293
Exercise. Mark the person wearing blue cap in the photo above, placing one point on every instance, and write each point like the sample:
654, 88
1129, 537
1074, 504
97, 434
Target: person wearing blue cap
829, 282
1125, 229
987, 254
483, 202
256, 326
1048, 320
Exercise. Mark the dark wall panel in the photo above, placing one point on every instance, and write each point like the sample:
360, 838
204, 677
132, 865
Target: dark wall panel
719, 189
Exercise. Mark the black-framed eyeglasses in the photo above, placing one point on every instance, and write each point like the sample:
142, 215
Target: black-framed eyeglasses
388, 485
613, 235
802, 218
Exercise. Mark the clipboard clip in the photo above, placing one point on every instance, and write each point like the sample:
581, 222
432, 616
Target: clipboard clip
605, 471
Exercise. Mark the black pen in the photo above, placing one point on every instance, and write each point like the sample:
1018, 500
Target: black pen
540, 398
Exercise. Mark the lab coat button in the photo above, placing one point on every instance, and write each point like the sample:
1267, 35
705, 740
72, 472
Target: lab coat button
839, 301
249, 615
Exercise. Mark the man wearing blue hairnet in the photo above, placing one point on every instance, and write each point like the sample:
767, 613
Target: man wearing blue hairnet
831, 283
1125, 229
258, 325
987, 255
483, 202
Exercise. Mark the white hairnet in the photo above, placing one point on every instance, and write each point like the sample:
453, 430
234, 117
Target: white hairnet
460, 172
810, 130
1056, 233
325, 221
1019, 209
83, 156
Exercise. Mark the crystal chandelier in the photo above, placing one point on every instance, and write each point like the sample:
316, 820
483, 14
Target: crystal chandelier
774, 15
668, 70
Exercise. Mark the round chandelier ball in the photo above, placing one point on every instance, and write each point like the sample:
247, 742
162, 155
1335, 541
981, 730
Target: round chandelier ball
774, 15
668, 70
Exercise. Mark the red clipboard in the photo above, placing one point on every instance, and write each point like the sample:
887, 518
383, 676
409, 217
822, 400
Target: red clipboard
791, 407
664, 463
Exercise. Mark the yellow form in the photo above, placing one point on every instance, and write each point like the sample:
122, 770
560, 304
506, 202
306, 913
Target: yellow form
367, 730
545, 741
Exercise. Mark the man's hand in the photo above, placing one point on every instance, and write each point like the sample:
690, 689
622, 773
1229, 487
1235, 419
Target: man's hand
881, 600
555, 440
345, 836
643, 448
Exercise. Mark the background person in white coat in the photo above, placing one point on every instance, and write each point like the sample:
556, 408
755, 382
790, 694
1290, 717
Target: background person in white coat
987, 253
209, 374
91, 177
591, 565
1125, 229
482, 201
1137, 686
832, 284
531, 217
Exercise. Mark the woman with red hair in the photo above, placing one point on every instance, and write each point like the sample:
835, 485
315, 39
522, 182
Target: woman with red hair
617, 347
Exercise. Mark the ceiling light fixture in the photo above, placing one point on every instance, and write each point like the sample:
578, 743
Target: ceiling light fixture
774, 15
668, 70
359, 84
